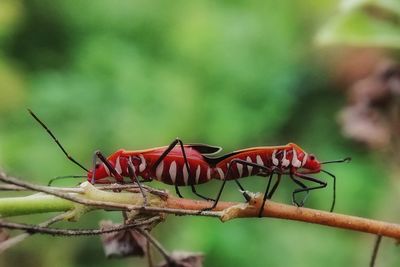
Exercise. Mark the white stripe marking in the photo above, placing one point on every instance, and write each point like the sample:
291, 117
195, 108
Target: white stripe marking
198, 170
275, 161
118, 166
142, 165
249, 168
240, 168
285, 162
221, 174
304, 159
159, 170
259, 160
185, 174
295, 161
172, 171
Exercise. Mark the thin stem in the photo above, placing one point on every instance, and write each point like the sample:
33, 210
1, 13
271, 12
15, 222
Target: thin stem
10, 187
375, 250
156, 244
21, 237
149, 259
36, 203
33, 229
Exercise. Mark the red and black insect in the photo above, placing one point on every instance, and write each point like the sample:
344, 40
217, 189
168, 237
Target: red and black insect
288, 160
184, 165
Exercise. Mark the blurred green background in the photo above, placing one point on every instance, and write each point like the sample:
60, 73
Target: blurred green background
136, 74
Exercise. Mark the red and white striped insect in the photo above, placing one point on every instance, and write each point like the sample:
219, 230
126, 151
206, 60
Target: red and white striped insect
288, 160
184, 165
180, 166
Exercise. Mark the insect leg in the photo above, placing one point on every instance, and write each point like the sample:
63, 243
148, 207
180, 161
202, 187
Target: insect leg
375, 251
64, 177
133, 177
169, 148
199, 195
245, 195
278, 180
165, 153
191, 180
177, 191
269, 195
228, 174
294, 201
99, 155
265, 195
334, 188
322, 184
217, 198
246, 163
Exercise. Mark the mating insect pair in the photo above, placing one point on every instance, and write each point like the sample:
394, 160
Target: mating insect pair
191, 164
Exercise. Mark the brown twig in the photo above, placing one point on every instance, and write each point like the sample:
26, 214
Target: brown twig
21, 237
230, 210
149, 254
10, 187
33, 229
156, 244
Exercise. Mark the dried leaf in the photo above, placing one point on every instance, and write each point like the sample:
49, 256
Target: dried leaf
393, 74
184, 259
370, 91
365, 125
372, 114
124, 243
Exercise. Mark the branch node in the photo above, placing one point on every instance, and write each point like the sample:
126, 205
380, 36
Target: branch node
237, 211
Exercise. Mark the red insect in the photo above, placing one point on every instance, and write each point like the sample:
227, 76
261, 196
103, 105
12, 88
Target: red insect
288, 160
179, 166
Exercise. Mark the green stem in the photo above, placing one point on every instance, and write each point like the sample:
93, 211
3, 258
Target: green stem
37, 203
42, 202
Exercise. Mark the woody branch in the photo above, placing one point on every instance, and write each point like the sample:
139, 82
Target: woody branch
93, 198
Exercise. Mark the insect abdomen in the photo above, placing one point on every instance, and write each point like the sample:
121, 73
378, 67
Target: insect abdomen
238, 169
174, 172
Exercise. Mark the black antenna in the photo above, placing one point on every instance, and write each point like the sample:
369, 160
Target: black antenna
65, 177
55, 140
348, 159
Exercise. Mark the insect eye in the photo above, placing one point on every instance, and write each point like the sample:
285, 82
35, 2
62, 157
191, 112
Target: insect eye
312, 157
97, 165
